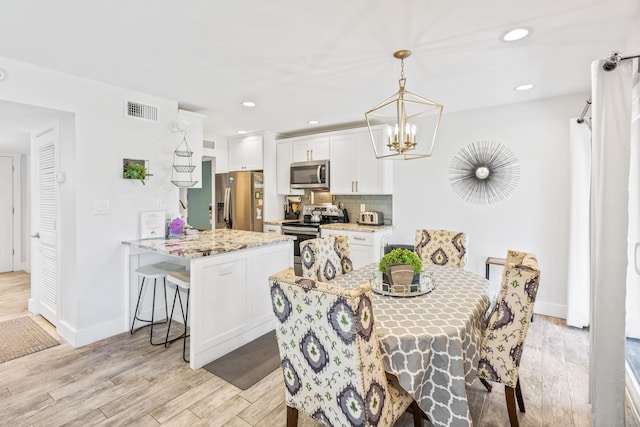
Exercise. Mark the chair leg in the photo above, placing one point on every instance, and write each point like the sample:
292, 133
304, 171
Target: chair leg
292, 417
519, 396
486, 384
418, 414
511, 405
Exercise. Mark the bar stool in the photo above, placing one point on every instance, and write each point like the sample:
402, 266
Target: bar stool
182, 281
155, 272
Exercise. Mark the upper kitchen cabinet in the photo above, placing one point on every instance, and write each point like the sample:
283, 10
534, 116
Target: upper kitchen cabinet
284, 157
245, 153
354, 167
310, 148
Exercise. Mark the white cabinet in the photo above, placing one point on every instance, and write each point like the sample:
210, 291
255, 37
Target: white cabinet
272, 228
284, 157
245, 153
310, 148
354, 167
365, 246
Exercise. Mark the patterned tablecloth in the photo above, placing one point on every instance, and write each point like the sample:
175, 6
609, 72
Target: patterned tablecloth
432, 342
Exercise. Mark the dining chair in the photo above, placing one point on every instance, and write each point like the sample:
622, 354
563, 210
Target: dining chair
442, 247
330, 355
325, 258
503, 338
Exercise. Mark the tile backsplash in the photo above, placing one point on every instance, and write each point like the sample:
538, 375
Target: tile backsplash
382, 203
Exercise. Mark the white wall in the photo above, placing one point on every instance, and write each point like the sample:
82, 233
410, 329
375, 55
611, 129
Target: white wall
534, 218
93, 145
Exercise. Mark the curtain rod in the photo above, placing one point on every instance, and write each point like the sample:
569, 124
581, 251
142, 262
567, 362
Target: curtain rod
611, 64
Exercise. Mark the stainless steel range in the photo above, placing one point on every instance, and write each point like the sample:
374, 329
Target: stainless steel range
313, 216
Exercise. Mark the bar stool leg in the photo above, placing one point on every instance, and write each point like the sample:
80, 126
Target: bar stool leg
135, 313
185, 318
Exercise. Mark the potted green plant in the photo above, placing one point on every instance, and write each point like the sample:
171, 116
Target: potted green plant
135, 169
402, 267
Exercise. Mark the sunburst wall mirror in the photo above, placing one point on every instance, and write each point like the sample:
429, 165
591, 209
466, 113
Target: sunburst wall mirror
484, 172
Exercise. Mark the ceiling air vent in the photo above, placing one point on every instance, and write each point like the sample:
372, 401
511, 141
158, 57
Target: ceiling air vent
142, 111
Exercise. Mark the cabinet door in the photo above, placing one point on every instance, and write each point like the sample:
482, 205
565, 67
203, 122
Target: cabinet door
344, 154
283, 160
361, 255
245, 153
307, 149
374, 175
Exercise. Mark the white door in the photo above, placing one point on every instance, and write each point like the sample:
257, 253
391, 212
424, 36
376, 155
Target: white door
44, 253
633, 267
6, 214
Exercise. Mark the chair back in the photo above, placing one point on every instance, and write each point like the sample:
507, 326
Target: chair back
503, 338
442, 247
325, 258
330, 354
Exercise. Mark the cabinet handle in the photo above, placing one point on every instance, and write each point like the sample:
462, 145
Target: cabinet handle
308, 154
311, 154
357, 185
271, 231
352, 186
359, 238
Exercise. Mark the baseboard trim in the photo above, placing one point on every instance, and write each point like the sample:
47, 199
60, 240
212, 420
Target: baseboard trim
632, 391
90, 335
550, 309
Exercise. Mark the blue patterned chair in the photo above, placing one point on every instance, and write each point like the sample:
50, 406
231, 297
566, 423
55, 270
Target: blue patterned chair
331, 357
503, 338
442, 247
325, 258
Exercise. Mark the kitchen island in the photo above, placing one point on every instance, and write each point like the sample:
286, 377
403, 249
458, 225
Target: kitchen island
230, 303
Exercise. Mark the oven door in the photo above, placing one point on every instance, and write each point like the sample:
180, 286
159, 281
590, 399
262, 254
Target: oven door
301, 234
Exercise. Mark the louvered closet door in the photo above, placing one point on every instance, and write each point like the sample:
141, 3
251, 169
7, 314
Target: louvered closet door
46, 213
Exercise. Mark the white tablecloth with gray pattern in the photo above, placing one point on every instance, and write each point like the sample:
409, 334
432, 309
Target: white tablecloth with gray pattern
431, 342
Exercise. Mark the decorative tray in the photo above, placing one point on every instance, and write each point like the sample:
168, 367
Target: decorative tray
416, 293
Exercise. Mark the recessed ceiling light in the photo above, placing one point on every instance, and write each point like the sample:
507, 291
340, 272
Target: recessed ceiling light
248, 103
313, 122
241, 132
515, 34
525, 87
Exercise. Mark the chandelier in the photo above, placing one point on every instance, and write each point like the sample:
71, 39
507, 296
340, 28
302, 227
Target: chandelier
408, 119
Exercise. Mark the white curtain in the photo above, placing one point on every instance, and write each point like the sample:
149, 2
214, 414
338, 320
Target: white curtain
611, 125
579, 268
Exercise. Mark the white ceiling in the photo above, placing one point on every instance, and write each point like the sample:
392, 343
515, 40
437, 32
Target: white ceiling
327, 60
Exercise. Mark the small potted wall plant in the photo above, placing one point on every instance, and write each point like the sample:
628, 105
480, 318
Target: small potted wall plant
402, 269
135, 169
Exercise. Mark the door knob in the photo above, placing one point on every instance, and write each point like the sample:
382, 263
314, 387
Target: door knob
36, 236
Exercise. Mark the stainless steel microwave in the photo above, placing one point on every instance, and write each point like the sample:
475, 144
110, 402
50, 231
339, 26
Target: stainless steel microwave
313, 174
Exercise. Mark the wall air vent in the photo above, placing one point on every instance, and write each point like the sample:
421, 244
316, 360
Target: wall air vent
141, 111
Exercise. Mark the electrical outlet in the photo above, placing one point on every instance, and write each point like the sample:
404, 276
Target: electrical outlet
362, 207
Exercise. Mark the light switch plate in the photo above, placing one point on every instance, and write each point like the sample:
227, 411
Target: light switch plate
101, 207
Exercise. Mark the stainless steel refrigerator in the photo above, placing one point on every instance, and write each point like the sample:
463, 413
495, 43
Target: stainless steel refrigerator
239, 200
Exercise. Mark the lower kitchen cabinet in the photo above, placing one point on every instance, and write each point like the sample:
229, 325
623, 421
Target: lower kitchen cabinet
365, 246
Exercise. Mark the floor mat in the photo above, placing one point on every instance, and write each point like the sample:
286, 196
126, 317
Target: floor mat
248, 364
22, 336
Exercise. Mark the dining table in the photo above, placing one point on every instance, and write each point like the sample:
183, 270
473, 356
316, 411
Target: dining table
431, 342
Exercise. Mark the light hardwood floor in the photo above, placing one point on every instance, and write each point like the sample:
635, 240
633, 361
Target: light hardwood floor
125, 381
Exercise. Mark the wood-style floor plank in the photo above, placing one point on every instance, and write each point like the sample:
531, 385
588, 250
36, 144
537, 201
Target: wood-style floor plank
123, 380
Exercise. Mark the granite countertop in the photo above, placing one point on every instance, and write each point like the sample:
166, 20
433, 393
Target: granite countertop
280, 221
355, 227
210, 242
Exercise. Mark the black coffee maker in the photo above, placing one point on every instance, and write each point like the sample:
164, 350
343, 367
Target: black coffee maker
292, 207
